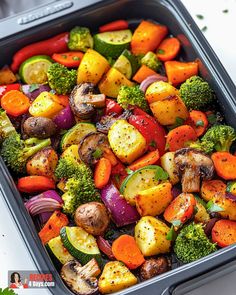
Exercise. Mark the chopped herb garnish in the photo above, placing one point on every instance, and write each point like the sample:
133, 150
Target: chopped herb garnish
161, 174
176, 223
212, 118
171, 235
212, 207
199, 123
64, 56
117, 178
129, 171
153, 143
179, 121
97, 153
225, 10
204, 29
109, 234
33, 87
199, 16
75, 58
161, 51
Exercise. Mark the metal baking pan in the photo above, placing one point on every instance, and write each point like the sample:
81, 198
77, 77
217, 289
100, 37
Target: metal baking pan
45, 21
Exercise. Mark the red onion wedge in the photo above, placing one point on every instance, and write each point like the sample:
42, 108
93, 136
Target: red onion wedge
105, 247
32, 91
65, 118
43, 217
122, 212
46, 202
151, 79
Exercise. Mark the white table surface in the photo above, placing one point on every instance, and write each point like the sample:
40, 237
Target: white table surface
221, 35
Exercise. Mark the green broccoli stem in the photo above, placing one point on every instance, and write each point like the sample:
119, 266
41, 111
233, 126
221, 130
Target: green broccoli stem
39, 144
223, 146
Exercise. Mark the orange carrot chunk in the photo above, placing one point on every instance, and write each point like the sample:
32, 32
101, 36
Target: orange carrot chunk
178, 72
126, 250
168, 49
148, 159
180, 209
198, 121
102, 173
224, 233
143, 73
147, 37
225, 165
53, 226
35, 183
179, 136
15, 103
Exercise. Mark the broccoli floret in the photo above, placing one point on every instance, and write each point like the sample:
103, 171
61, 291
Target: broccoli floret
222, 136
6, 126
206, 147
132, 95
80, 39
196, 93
61, 79
79, 187
16, 152
151, 60
192, 243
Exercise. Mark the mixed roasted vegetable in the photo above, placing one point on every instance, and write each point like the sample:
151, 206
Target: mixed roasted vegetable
119, 152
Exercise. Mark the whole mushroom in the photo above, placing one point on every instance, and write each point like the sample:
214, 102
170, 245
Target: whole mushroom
81, 279
153, 267
192, 166
83, 100
93, 218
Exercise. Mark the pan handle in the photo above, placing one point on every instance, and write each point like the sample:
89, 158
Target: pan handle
44, 13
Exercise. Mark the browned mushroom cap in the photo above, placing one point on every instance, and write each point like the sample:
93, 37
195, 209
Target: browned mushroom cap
81, 279
153, 267
92, 147
83, 101
193, 165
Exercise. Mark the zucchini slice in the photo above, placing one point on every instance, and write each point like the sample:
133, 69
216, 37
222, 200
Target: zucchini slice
75, 134
111, 44
123, 65
34, 69
57, 251
142, 179
80, 244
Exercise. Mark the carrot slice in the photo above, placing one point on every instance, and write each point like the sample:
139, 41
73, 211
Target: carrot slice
15, 103
198, 120
168, 49
62, 99
178, 72
126, 250
35, 183
69, 59
148, 159
224, 233
225, 165
179, 136
116, 25
210, 187
147, 37
53, 226
102, 173
143, 73
180, 209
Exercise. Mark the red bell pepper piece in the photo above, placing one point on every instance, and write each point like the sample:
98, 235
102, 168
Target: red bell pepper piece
114, 26
118, 174
69, 59
151, 130
112, 107
5, 88
55, 44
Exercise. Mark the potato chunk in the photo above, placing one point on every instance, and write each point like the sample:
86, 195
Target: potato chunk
154, 200
150, 235
126, 141
115, 277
